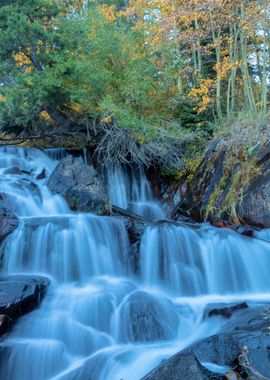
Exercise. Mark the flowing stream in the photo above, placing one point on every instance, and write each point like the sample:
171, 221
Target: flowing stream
99, 320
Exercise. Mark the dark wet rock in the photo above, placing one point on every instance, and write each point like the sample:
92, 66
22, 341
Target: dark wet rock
41, 175
19, 295
147, 318
254, 207
13, 170
231, 184
27, 172
243, 351
221, 349
228, 348
224, 310
246, 231
208, 174
182, 366
8, 221
135, 228
79, 184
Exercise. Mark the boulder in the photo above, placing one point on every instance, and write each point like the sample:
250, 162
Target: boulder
242, 352
8, 221
79, 184
18, 295
146, 318
182, 366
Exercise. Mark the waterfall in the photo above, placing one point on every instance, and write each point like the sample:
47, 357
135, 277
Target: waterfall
19, 170
129, 189
204, 260
67, 247
100, 321
56, 153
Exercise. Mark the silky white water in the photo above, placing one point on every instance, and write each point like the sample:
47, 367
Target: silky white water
128, 188
98, 320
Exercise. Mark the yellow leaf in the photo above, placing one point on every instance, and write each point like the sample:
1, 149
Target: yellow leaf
106, 119
46, 117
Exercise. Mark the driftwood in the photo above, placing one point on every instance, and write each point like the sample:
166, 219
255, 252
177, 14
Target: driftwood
244, 363
122, 212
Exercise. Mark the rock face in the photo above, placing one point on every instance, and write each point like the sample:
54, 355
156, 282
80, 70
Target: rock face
79, 184
254, 207
230, 184
8, 221
19, 295
242, 353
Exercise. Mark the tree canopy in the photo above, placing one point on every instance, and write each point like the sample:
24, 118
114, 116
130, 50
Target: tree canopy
138, 75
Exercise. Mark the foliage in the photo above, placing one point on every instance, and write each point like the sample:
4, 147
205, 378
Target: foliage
142, 78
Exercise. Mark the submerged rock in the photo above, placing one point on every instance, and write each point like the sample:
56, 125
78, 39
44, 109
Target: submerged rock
41, 175
13, 170
79, 184
19, 295
8, 221
147, 318
224, 310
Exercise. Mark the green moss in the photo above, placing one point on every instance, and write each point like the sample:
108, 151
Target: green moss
211, 207
75, 204
191, 165
247, 171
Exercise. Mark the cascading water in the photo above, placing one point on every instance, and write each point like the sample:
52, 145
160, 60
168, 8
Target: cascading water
19, 170
129, 189
56, 153
204, 260
99, 321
